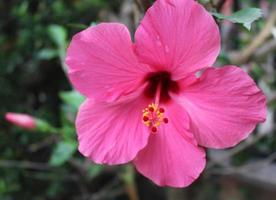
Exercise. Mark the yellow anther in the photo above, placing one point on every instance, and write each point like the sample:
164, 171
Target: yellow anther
153, 116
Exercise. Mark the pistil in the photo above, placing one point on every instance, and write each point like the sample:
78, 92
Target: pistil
154, 115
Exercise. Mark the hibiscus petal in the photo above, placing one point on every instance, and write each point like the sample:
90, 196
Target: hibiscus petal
111, 133
170, 159
102, 63
179, 36
224, 106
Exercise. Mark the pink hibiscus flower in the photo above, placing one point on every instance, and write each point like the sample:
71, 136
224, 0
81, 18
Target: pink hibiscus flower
146, 103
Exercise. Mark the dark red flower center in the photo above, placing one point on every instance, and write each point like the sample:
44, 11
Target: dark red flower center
158, 89
167, 85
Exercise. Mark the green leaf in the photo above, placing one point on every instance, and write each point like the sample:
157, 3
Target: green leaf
272, 104
257, 71
245, 16
47, 54
94, 170
58, 34
72, 98
45, 127
78, 26
62, 153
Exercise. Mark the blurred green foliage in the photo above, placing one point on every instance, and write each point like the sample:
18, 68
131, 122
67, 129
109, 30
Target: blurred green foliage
33, 38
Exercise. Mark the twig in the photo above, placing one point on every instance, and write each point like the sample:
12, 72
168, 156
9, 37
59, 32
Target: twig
50, 176
212, 3
255, 172
136, 14
270, 158
129, 179
140, 5
107, 192
44, 143
24, 165
220, 5
82, 167
236, 150
132, 191
244, 55
265, 49
143, 5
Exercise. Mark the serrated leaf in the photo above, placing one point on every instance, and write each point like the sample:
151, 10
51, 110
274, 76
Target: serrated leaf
245, 16
72, 98
62, 153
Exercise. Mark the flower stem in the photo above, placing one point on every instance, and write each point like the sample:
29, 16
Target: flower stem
129, 179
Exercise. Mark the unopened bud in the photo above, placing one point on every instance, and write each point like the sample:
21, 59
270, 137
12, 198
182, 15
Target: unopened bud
21, 120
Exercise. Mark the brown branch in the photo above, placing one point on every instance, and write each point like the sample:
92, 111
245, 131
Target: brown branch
258, 172
212, 4
236, 150
143, 5
265, 49
108, 191
132, 191
220, 5
129, 180
24, 165
136, 14
44, 143
140, 5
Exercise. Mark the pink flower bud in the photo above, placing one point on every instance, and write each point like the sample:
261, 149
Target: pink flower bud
21, 120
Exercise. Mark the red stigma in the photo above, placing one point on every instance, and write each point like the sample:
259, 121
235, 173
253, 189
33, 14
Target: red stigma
166, 120
145, 119
154, 129
151, 109
162, 110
